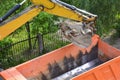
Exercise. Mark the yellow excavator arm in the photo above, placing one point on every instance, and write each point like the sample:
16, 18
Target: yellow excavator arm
56, 7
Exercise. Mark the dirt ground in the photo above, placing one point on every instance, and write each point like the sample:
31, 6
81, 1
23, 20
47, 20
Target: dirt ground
115, 43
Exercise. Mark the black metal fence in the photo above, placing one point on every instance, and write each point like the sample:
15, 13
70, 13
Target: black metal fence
16, 53
19, 52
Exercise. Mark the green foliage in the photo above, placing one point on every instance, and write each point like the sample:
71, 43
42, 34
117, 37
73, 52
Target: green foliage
117, 24
43, 23
5, 42
3, 50
106, 11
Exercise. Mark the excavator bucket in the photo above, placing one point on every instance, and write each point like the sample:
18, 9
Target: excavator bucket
99, 61
77, 32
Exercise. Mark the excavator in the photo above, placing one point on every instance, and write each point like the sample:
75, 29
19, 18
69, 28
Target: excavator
88, 60
85, 21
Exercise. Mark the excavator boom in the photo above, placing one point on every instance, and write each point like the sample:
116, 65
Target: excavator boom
55, 7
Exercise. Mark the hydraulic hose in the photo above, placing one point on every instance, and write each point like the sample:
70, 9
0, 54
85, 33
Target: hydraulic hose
11, 11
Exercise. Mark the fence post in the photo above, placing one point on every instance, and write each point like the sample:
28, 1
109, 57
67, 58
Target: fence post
40, 43
28, 31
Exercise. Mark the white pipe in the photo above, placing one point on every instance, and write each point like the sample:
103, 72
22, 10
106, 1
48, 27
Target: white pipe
23, 2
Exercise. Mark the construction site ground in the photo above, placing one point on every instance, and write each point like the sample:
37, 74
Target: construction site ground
117, 43
114, 42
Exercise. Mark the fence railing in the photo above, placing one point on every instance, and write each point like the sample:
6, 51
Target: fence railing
19, 52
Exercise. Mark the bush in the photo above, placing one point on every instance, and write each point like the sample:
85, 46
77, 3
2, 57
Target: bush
5, 42
44, 24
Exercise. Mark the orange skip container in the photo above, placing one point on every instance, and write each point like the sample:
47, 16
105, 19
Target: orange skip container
54, 63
